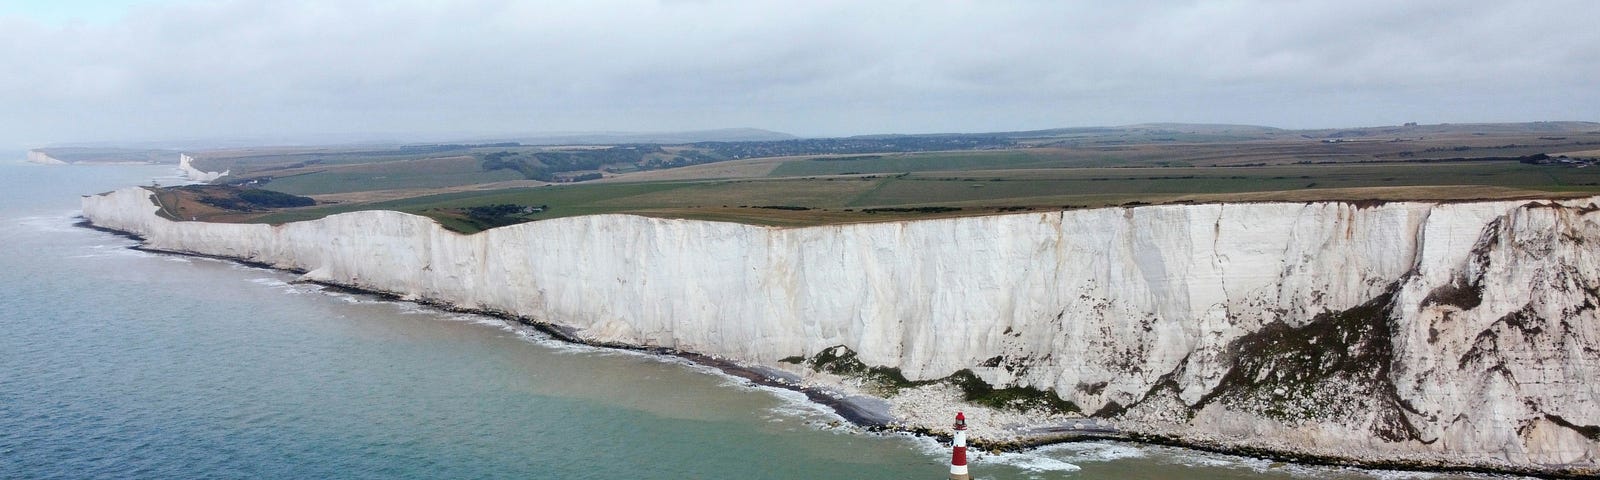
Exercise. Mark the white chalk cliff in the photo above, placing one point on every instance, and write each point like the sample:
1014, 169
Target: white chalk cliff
186, 165
39, 157
1455, 333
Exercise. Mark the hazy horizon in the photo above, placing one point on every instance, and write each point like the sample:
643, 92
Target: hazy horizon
175, 70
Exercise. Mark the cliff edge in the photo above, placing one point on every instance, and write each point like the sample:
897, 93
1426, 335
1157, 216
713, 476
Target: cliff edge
42, 158
1411, 333
186, 165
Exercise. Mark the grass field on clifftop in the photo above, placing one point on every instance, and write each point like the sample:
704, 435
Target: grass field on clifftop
843, 199
1069, 169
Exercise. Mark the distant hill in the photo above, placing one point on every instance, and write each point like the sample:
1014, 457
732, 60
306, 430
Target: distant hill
1140, 129
1147, 129
664, 138
60, 155
1412, 129
1182, 131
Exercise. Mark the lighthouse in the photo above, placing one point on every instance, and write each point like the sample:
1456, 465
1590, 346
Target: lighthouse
958, 450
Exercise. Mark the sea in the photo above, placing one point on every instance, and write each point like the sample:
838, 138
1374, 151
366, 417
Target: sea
119, 364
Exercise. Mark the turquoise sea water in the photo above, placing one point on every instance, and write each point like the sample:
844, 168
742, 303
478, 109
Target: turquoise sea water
116, 363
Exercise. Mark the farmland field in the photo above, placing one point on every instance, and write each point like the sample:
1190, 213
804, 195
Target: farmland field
1079, 169
405, 174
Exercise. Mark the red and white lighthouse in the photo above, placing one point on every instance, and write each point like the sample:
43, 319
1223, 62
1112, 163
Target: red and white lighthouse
958, 450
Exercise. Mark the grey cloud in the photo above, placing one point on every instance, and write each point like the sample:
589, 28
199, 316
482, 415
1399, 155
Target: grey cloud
249, 68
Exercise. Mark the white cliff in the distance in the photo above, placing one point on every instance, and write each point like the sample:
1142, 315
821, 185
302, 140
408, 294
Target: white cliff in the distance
42, 158
186, 165
1409, 332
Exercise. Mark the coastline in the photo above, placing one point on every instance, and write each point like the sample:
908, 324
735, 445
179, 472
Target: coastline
876, 418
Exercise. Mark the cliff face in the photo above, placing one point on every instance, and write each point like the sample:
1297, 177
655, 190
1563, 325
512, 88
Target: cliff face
35, 156
186, 165
1458, 333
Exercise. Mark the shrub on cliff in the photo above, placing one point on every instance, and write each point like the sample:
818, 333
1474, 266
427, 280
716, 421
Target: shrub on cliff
271, 199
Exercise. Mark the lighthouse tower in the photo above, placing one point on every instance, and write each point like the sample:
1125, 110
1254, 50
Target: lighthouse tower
958, 450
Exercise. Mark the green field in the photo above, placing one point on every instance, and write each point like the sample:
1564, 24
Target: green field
335, 182
264, 161
1077, 168
941, 161
565, 201
842, 199
1065, 185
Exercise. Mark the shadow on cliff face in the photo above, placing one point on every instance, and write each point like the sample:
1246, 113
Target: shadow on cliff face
1335, 368
841, 360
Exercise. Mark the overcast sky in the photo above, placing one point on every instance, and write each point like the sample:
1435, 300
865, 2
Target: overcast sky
165, 70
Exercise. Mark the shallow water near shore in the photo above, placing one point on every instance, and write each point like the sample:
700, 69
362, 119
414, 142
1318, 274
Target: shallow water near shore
116, 363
